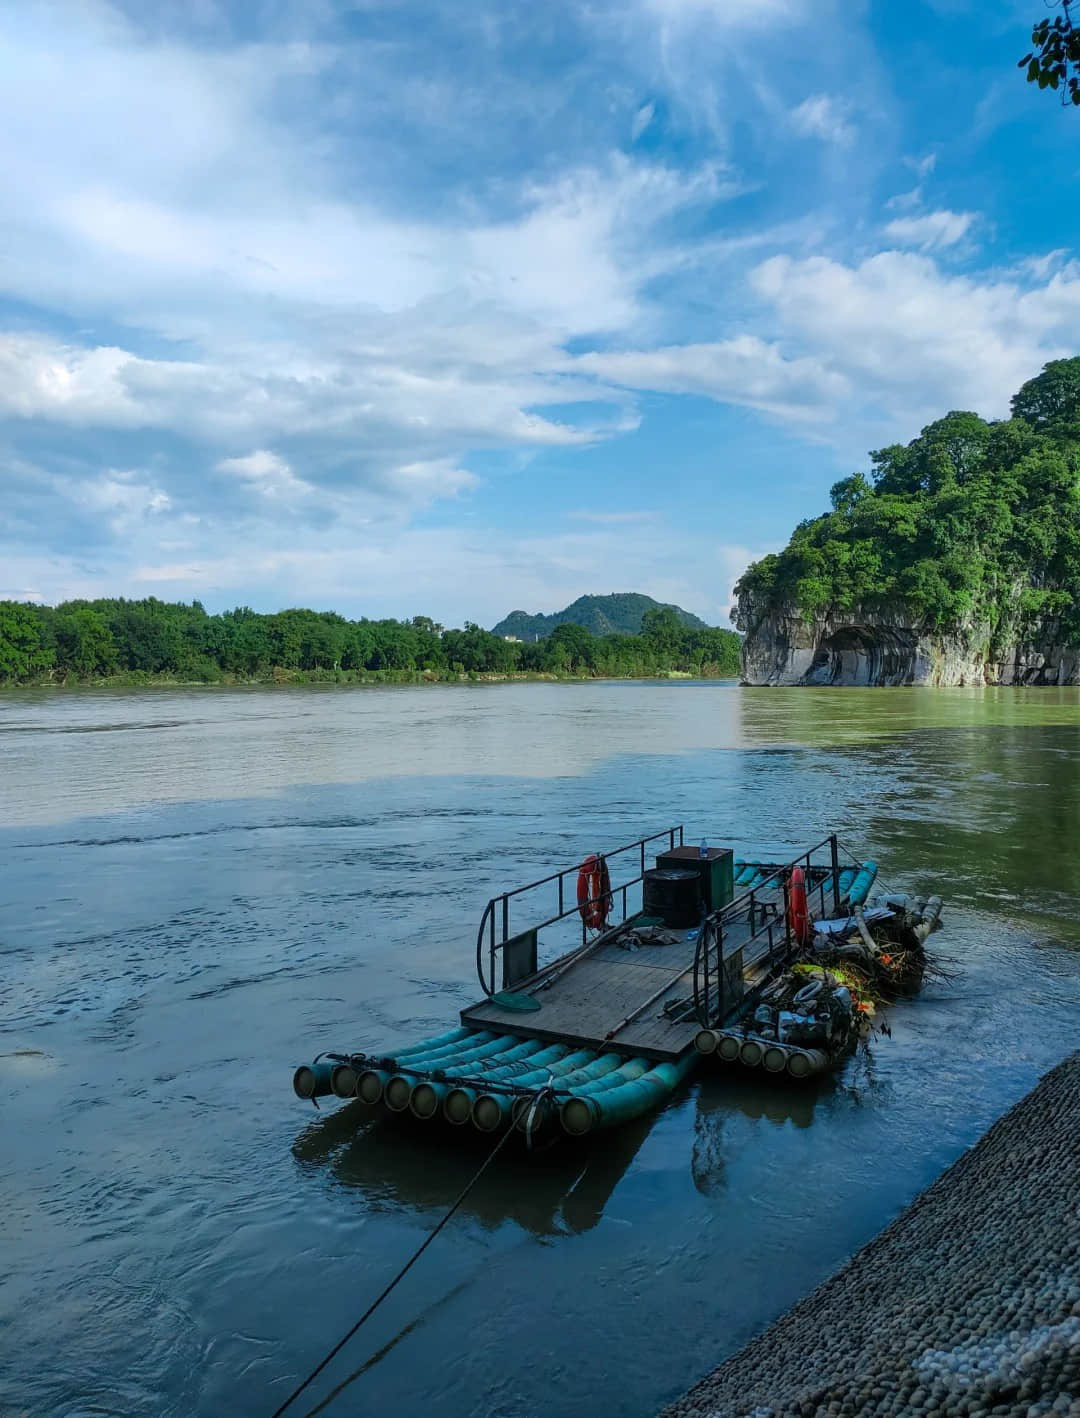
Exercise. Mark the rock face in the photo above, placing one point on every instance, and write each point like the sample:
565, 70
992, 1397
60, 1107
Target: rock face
966, 1306
891, 648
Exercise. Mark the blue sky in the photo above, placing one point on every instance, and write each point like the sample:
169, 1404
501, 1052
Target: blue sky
422, 308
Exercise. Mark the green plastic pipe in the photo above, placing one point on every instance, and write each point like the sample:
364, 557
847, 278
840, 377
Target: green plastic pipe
491, 1109
467, 1048
584, 1113
630, 1070
860, 889
343, 1080
458, 1103
429, 1046
399, 1089
425, 1098
460, 1061
313, 1080
370, 1085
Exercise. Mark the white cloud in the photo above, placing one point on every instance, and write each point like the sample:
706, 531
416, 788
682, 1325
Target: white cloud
267, 474
916, 341
744, 370
642, 118
932, 231
826, 117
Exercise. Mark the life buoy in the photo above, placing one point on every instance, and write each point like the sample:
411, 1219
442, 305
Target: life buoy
594, 892
798, 913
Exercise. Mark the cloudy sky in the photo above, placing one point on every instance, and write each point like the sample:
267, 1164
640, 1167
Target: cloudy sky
437, 308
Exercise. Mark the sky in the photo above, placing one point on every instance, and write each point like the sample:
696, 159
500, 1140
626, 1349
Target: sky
450, 309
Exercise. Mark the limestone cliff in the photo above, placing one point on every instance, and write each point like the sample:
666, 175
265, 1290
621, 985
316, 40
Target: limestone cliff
891, 648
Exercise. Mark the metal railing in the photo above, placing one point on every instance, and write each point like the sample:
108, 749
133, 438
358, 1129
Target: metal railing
715, 998
495, 932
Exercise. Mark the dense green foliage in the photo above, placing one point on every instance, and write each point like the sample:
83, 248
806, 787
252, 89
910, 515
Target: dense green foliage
151, 639
972, 522
619, 614
1053, 62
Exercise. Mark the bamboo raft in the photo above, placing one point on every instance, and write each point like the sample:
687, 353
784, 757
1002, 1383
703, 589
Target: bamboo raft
610, 1029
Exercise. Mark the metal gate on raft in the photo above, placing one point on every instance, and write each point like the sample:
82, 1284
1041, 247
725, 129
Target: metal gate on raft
495, 938
745, 943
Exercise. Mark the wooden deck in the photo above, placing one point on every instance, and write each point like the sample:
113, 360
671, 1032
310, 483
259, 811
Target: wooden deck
586, 1005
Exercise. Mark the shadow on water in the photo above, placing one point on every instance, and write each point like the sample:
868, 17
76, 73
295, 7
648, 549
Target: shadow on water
561, 1189
723, 1092
396, 1162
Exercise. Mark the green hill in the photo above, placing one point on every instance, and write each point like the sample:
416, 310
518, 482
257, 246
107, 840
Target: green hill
957, 561
617, 614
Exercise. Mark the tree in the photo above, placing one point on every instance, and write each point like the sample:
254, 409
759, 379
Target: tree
1053, 62
24, 651
84, 643
1051, 401
971, 520
662, 631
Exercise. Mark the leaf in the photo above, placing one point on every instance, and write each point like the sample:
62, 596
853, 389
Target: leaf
1026, 60
1033, 71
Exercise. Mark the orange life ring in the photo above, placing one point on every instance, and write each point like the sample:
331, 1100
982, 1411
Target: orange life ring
798, 913
594, 892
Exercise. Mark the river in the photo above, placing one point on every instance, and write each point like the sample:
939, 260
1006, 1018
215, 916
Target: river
200, 889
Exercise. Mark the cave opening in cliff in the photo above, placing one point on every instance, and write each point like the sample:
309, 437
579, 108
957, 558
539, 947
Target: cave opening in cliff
862, 655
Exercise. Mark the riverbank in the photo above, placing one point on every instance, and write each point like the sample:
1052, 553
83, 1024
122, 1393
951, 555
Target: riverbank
967, 1304
301, 677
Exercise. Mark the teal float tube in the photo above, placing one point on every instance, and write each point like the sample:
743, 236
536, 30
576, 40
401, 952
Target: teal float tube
314, 1080
458, 1103
527, 1063
399, 1089
370, 1085
847, 880
467, 1048
491, 1109
426, 1097
597, 1067
630, 1070
584, 1113
453, 1061
429, 1046
860, 889
565, 1065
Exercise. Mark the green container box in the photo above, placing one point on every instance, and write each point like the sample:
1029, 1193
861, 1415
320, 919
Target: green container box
716, 869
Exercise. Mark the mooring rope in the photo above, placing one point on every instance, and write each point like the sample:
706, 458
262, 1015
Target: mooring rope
340, 1345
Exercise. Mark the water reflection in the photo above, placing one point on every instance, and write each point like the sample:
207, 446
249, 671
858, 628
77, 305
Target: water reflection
754, 1095
396, 1162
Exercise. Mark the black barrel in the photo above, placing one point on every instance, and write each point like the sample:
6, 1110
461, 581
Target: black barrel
674, 896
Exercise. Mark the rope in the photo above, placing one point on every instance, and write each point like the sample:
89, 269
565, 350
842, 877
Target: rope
340, 1345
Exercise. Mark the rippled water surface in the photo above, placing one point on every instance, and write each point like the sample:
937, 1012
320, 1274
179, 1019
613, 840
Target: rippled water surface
199, 890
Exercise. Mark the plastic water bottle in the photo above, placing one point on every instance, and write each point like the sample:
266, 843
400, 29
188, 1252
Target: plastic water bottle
703, 850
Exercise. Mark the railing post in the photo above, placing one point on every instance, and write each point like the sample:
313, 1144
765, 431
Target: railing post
835, 855
561, 907
491, 951
720, 982
506, 919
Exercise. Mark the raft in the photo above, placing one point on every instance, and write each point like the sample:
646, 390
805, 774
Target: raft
609, 1031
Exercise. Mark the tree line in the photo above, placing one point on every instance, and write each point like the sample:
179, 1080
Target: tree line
151, 639
973, 522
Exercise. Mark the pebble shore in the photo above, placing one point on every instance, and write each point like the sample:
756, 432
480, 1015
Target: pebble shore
967, 1304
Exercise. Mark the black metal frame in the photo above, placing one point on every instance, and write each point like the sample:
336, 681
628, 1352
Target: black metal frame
490, 939
710, 1004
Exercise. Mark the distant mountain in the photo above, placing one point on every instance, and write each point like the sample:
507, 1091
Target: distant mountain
618, 614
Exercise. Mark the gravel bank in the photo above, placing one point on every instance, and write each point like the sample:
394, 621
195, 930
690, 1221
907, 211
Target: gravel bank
968, 1304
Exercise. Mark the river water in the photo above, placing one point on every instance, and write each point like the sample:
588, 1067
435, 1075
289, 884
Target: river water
201, 889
